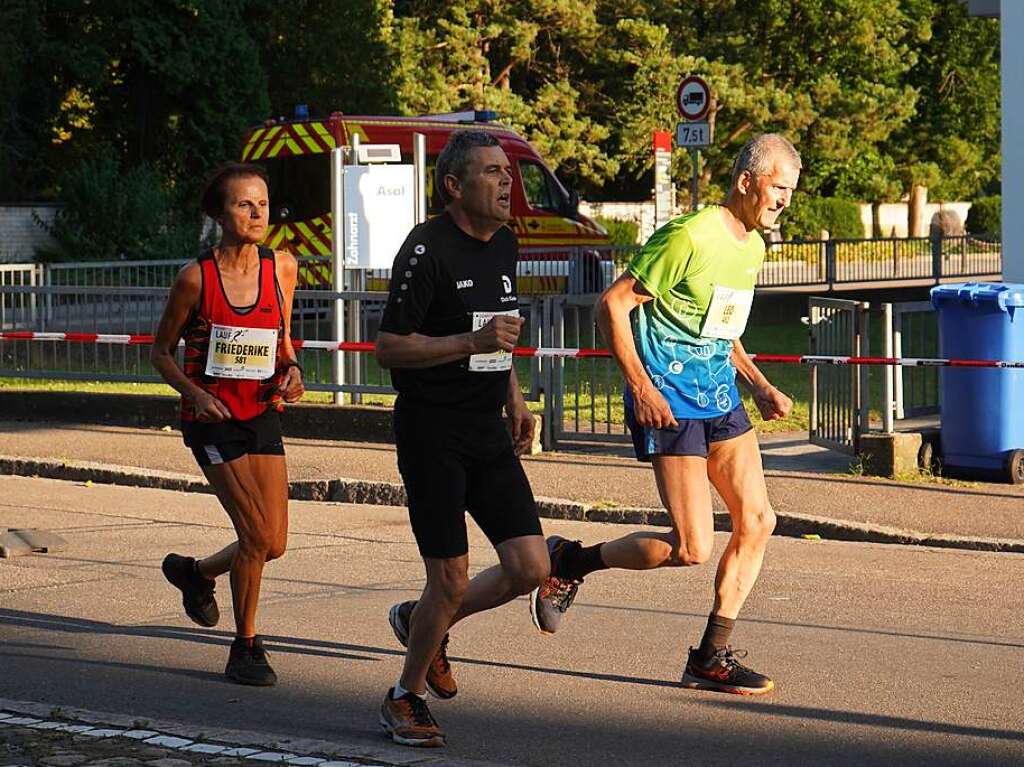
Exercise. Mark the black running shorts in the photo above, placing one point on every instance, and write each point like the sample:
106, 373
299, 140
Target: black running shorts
214, 443
453, 462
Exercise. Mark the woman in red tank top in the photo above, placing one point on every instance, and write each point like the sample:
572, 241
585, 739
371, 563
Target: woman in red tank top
232, 306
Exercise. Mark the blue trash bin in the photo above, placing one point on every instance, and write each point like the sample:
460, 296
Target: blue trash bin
982, 408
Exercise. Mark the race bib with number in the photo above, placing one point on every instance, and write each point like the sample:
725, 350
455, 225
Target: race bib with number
241, 352
493, 361
728, 313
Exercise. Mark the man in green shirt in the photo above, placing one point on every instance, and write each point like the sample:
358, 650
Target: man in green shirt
673, 322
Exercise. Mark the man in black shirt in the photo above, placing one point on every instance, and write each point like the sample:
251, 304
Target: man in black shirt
451, 322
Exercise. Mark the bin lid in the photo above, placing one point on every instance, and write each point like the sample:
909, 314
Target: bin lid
1003, 294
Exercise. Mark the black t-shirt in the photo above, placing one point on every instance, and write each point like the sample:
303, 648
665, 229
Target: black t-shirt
440, 278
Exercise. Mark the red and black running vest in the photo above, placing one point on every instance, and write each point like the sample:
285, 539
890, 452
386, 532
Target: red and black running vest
246, 397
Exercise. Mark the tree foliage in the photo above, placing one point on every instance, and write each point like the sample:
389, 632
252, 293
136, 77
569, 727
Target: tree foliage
876, 94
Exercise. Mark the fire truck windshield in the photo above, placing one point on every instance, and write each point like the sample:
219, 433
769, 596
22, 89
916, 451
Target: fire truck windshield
300, 187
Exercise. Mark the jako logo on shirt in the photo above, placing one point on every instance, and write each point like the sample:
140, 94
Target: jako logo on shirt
506, 283
461, 284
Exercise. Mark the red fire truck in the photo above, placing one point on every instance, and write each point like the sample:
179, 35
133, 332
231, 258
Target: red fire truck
561, 249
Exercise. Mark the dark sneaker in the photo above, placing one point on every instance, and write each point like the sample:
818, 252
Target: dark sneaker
197, 592
408, 721
440, 680
248, 664
722, 672
550, 600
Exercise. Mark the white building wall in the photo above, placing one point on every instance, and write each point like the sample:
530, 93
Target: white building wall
20, 234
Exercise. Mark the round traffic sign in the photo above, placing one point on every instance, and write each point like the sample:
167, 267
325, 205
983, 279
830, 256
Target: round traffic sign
693, 98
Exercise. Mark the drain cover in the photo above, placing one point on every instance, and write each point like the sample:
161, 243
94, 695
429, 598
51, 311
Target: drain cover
18, 543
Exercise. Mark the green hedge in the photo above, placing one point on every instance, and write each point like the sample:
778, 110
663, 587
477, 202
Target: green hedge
985, 216
622, 233
109, 212
809, 215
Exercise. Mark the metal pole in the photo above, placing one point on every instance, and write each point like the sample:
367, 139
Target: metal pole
419, 161
694, 161
889, 372
338, 263
357, 282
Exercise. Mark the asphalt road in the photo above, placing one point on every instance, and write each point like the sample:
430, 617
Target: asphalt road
881, 654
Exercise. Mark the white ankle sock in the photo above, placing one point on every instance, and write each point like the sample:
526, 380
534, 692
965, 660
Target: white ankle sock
400, 691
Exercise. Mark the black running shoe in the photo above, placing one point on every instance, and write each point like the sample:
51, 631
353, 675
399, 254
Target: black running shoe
197, 592
550, 600
722, 672
248, 664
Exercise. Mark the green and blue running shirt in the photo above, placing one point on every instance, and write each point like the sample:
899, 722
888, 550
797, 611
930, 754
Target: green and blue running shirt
702, 279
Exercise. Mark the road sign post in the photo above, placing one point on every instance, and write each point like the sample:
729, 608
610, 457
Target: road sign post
693, 99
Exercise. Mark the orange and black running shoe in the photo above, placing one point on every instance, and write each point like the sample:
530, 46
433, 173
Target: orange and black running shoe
722, 672
440, 679
408, 721
550, 600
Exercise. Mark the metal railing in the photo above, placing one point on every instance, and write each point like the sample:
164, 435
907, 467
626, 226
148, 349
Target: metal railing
582, 398
581, 270
837, 262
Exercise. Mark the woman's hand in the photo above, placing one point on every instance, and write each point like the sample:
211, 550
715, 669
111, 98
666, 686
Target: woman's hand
291, 386
207, 407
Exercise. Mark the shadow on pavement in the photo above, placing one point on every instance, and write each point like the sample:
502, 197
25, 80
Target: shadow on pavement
872, 720
682, 726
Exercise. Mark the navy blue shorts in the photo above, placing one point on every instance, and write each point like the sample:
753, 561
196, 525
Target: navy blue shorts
693, 437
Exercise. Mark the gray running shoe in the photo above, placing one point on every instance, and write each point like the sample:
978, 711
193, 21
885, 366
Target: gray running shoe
550, 600
440, 680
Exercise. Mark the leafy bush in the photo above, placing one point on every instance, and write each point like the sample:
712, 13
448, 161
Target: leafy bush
109, 213
985, 216
622, 233
809, 215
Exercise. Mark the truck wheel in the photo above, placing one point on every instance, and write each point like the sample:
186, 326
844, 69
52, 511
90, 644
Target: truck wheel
928, 456
1015, 467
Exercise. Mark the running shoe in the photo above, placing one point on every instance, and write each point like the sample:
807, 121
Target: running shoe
248, 664
440, 680
550, 600
722, 672
408, 721
197, 592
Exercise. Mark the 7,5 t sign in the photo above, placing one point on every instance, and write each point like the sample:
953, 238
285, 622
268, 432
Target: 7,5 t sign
693, 134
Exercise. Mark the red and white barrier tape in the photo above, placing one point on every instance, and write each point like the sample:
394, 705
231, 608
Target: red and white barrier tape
543, 351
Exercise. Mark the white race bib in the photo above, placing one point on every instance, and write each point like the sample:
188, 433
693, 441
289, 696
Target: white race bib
493, 361
241, 352
728, 313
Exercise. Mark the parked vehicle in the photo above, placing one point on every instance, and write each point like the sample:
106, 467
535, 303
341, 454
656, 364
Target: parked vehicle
561, 249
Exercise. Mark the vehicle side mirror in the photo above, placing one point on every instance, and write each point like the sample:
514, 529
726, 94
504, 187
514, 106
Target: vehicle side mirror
572, 204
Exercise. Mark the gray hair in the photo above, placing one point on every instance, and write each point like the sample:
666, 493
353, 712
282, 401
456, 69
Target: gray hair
759, 155
455, 157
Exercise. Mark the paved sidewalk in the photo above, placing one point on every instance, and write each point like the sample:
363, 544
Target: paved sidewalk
802, 479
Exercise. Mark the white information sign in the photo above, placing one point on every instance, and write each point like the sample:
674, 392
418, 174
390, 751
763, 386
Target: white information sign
380, 210
693, 134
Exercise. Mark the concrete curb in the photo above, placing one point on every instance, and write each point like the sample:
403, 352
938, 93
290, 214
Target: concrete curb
393, 494
334, 752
